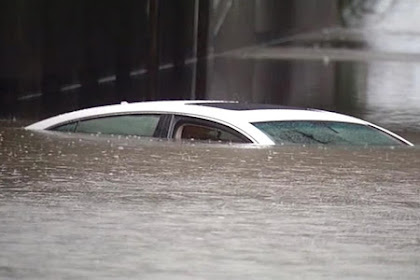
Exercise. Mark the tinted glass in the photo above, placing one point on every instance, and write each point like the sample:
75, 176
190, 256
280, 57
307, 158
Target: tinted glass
70, 127
140, 125
201, 132
328, 133
200, 129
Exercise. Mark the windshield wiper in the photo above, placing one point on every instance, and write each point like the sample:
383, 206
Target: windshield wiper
310, 136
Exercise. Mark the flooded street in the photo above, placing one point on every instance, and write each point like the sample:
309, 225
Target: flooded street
95, 207
104, 208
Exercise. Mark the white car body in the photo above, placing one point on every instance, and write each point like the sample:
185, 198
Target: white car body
238, 119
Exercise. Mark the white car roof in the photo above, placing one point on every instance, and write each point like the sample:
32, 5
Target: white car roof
213, 110
233, 114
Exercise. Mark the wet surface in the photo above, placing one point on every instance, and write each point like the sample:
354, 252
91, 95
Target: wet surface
74, 207
98, 207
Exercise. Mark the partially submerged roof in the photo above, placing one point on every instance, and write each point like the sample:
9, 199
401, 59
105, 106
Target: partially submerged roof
238, 116
229, 112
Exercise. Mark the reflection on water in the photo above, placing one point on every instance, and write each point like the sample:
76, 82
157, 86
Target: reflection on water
383, 92
98, 207
369, 68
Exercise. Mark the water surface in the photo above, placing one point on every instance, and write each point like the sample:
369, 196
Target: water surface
104, 208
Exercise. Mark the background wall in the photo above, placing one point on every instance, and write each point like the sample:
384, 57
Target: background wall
62, 55
352, 56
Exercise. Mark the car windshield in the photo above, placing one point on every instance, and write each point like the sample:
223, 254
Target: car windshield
325, 133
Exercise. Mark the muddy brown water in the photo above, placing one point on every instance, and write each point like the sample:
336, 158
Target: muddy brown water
90, 207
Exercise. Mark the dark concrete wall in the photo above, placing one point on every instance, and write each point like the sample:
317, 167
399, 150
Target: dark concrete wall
61, 55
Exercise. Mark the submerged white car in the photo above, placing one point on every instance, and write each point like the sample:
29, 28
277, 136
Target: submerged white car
223, 121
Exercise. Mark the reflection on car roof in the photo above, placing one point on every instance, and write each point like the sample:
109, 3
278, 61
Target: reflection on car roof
244, 106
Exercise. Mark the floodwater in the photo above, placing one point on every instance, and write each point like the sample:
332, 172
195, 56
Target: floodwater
89, 207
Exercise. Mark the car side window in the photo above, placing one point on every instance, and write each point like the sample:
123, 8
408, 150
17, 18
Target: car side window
196, 129
139, 125
70, 127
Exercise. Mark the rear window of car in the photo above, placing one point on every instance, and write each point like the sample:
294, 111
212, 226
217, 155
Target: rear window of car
325, 133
